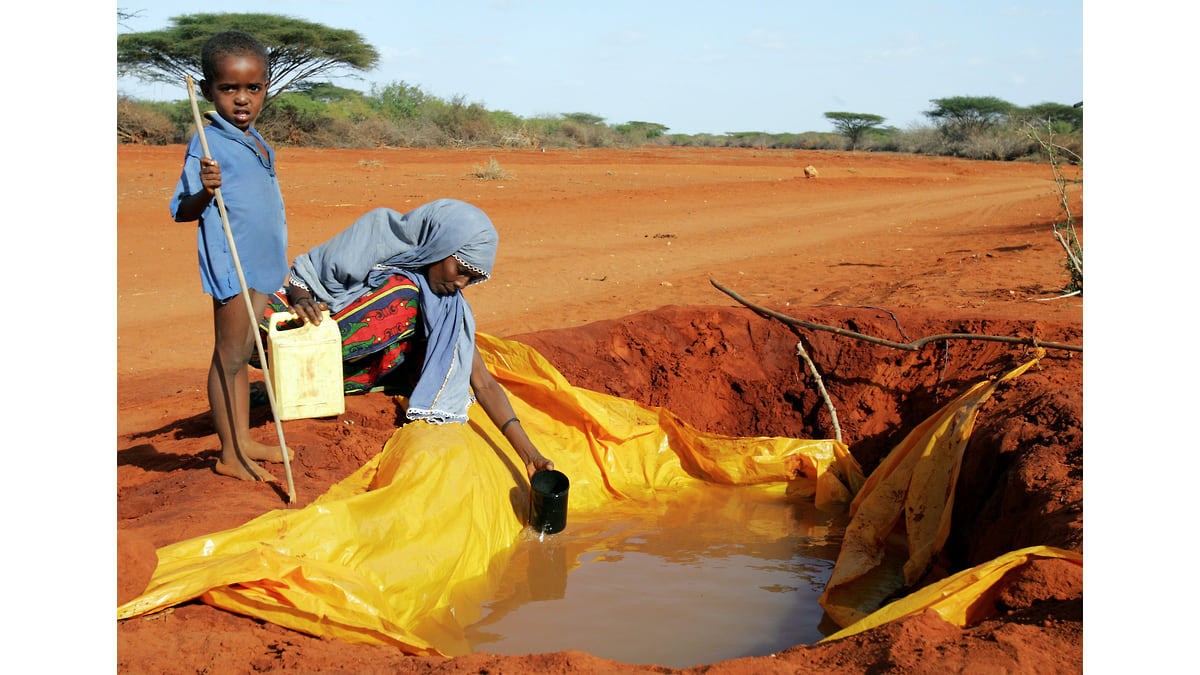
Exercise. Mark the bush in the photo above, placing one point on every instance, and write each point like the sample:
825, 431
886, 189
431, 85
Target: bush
463, 123
919, 140
996, 144
490, 171
401, 115
399, 100
142, 124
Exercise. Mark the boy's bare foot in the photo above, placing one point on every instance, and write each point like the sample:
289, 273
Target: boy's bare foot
261, 452
243, 471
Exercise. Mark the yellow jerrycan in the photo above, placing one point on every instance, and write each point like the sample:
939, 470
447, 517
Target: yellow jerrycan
306, 368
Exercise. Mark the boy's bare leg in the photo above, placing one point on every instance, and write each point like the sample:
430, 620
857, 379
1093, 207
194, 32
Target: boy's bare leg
262, 452
229, 392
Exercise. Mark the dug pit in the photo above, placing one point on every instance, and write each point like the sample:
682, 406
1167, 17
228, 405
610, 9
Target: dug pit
660, 583
725, 370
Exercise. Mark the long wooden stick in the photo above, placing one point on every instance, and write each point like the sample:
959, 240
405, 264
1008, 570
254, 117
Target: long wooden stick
913, 346
262, 357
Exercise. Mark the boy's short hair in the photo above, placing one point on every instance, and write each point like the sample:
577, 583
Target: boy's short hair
230, 42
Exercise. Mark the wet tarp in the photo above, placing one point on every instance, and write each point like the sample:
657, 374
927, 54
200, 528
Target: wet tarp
900, 518
402, 552
963, 599
405, 550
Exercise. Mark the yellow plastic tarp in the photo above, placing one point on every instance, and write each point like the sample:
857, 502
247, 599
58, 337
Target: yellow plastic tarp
900, 518
963, 599
402, 552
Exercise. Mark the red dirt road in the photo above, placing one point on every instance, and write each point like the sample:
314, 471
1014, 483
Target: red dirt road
594, 235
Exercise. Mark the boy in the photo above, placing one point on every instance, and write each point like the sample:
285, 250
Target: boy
235, 81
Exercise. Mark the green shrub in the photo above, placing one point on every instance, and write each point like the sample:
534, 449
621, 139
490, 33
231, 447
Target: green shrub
402, 115
399, 100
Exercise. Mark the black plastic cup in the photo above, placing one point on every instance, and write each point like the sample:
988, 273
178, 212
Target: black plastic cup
548, 501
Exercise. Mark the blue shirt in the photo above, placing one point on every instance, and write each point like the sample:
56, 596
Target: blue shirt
254, 205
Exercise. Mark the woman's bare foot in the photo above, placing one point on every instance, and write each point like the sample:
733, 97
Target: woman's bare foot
243, 470
261, 452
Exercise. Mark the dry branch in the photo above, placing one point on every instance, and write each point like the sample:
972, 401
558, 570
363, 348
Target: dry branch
913, 346
812, 367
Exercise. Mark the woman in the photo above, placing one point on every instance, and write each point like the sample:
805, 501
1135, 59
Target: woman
382, 274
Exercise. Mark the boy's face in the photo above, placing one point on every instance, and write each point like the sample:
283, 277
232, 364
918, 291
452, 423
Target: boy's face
238, 89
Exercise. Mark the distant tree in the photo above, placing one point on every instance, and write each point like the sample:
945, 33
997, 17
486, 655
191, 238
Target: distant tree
960, 116
647, 129
399, 100
853, 125
296, 50
327, 92
583, 118
1055, 113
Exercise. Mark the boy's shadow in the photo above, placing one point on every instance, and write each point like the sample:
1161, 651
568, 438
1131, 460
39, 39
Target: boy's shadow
147, 457
200, 425
196, 426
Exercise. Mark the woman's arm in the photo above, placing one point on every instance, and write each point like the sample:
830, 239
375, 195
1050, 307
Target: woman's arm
495, 403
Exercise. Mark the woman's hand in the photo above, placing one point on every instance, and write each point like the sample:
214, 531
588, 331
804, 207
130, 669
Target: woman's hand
537, 462
305, 306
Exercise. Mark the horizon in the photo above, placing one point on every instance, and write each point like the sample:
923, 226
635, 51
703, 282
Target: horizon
715, 69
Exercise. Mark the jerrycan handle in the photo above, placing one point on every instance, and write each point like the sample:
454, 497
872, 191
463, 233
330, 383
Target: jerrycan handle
279, 317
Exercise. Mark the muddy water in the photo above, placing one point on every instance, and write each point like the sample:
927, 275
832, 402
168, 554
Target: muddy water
707, 575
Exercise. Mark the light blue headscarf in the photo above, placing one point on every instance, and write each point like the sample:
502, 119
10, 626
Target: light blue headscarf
383, 242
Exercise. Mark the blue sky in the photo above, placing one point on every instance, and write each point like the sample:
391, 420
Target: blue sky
696, 67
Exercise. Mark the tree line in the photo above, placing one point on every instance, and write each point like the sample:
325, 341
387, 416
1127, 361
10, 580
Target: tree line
302, 110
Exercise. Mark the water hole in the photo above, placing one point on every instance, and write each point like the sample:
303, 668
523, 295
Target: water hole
713, 573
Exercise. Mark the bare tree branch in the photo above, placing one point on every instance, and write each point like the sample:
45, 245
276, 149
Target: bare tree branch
913, 346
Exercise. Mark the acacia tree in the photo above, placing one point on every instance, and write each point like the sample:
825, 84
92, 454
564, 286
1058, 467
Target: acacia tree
648, 129
584, 118
1055, 114
296, 50
853, 125
960, 116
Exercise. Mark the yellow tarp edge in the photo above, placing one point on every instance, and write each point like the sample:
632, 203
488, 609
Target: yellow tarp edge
900, 518
962, 599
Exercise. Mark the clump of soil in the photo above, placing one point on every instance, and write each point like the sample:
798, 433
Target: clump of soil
723, 370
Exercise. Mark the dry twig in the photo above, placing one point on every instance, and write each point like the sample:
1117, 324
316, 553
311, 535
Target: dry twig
812, 367
913, 346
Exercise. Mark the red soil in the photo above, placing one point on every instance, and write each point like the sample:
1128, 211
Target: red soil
604, 267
